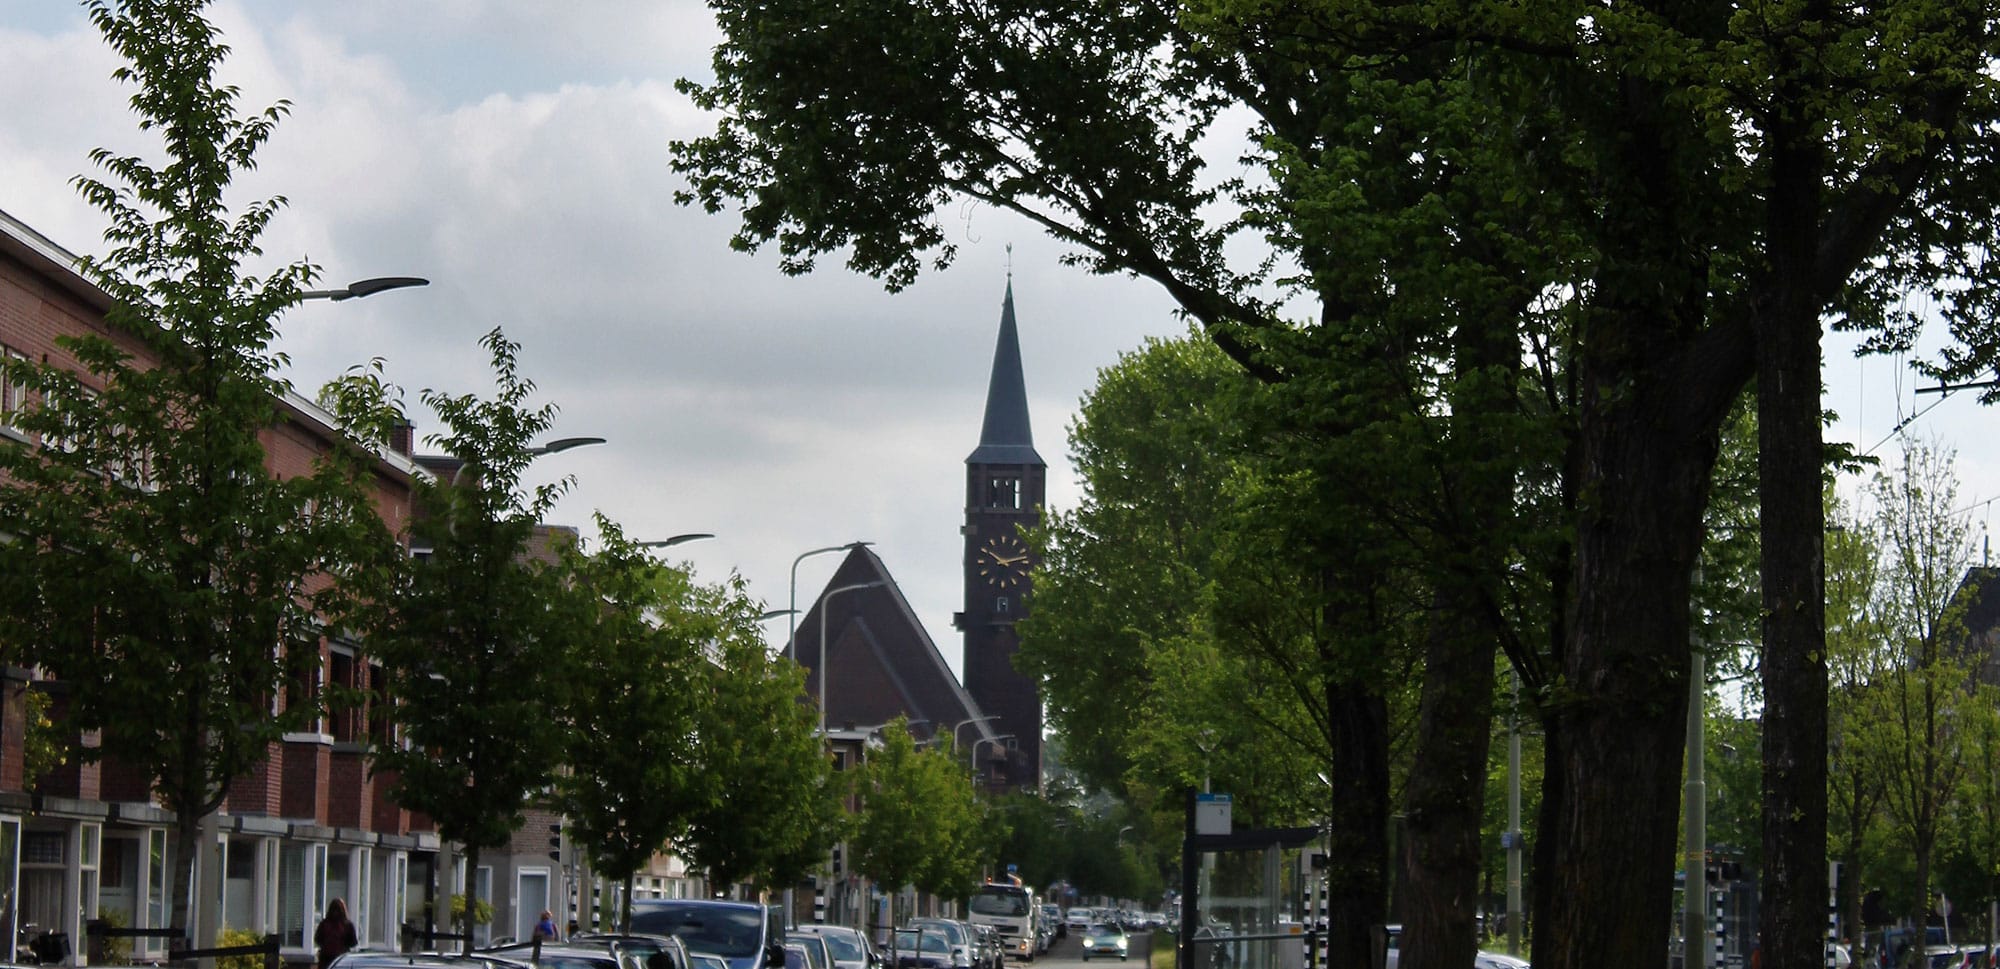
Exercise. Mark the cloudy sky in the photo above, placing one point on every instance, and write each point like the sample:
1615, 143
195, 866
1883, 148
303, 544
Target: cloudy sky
515, 153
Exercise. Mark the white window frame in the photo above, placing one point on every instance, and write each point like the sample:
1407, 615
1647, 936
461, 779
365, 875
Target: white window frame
13, 399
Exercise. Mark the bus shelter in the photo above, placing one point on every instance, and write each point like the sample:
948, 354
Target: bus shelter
1244, 893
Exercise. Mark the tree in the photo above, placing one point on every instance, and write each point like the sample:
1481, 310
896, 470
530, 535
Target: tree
1918, 715
634, 701
772, 810
917, 816
1671, 197
468, 629
156, 564
1170, 555
1854, 659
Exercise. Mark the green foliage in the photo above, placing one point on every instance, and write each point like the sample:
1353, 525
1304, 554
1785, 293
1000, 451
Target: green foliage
772, 810
156, 560
1916, 738
634, 700
920, 823
467, 634
482, 910
44, 746
113, 951
1168, 633
1638, 205
229, 938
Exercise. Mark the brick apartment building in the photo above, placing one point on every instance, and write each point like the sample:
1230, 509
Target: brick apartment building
308, 825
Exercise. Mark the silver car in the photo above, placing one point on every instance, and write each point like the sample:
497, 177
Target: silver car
847, 946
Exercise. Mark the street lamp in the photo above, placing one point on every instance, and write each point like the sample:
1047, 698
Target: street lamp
792, 629
677, 540
556, 446
824, 597
562, 444
962, 723
972, 758
1121, 833
364, 287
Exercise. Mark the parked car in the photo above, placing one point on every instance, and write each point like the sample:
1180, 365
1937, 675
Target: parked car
1104, 939
1052, 916
1078, 918
1480, 960
745, 934
707, 960
652, 951
957, 934
560, 955
849, 948
796, 957
375, 959
988, 952
920, 949
817, 953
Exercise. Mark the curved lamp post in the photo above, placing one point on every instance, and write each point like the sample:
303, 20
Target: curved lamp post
973, 760
792, 630
970, 720
365, 287
823, 599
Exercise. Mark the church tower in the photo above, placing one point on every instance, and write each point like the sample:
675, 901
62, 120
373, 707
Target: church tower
1005, 486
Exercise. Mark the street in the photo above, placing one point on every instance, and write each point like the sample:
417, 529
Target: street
1067, 953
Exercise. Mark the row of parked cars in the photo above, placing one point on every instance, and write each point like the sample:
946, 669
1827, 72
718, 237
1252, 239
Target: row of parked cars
931, 943
715, 934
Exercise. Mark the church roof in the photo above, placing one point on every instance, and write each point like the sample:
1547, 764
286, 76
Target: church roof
880, 661
1005, 437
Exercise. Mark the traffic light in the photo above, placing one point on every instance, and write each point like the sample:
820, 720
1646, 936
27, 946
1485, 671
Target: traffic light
555, 842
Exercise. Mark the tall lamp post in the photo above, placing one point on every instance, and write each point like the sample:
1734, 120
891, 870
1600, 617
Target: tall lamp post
824, 598
792, 607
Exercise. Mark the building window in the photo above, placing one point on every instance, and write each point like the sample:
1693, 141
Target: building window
1003, 492
239, 884
302, 685
380, 730
346, 722
13, 392
303, 873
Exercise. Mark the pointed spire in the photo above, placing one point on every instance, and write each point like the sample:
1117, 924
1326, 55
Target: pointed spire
1005, 437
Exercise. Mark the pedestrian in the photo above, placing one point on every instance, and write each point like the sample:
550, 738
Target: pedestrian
545, 930
335, 934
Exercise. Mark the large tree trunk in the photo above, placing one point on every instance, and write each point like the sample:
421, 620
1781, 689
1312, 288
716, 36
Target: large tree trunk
1357, 856
1648, 444
1444, 796
187, 840
1793, 518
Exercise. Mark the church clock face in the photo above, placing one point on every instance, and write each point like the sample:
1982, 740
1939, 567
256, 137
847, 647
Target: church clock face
1003, 562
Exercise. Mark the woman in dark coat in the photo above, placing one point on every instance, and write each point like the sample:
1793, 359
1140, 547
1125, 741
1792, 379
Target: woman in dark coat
335, 934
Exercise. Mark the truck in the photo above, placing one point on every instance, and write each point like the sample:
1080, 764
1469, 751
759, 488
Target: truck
1013, 911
